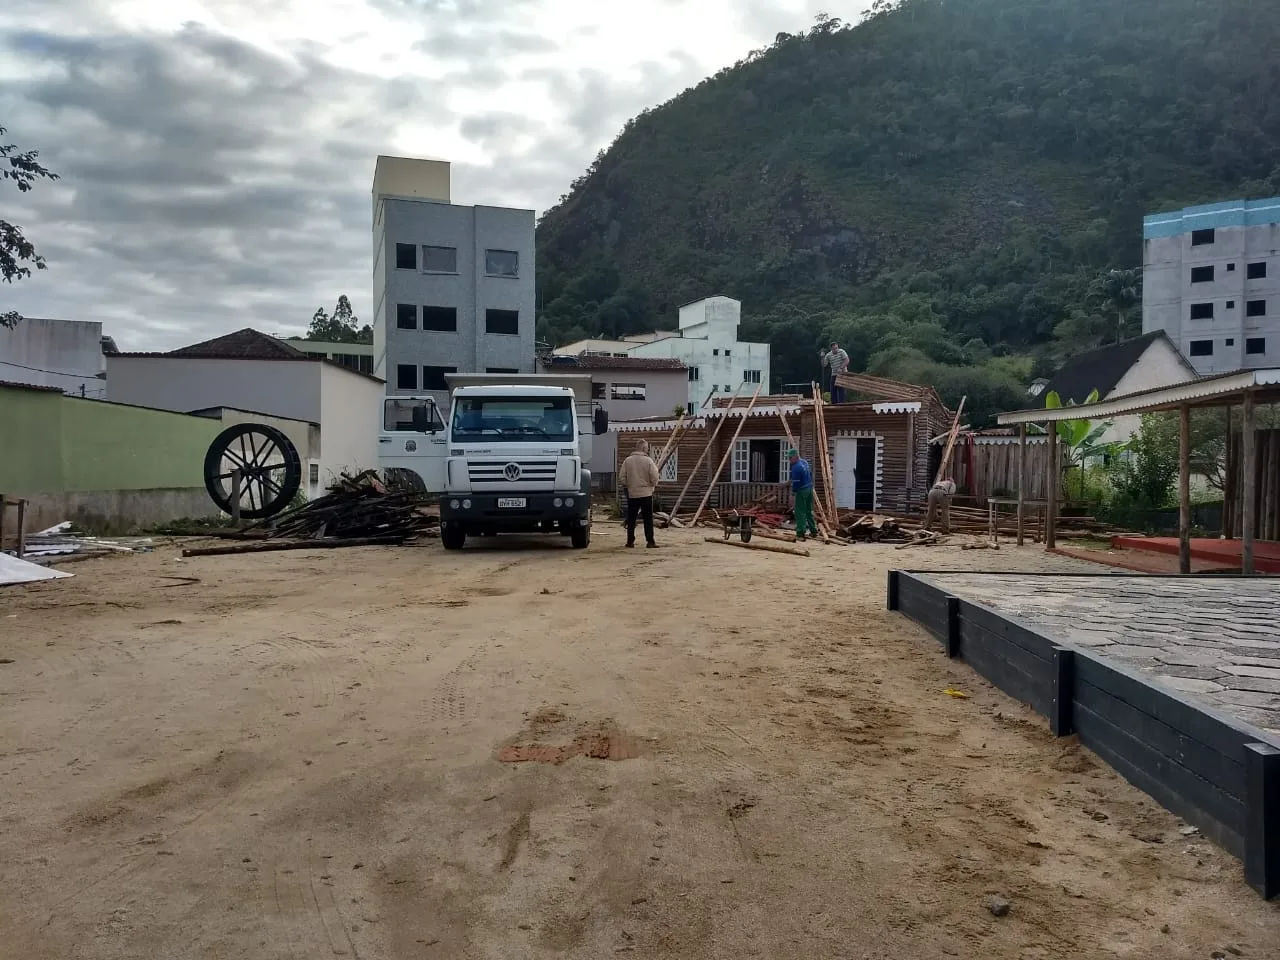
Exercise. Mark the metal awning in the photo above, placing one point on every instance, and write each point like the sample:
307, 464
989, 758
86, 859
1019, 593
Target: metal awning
1205, 392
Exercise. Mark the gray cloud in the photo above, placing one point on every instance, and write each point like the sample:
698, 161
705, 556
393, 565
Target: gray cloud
209, 183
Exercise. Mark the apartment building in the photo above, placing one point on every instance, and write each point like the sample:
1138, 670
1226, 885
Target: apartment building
706, 343
1211, 281
453, 285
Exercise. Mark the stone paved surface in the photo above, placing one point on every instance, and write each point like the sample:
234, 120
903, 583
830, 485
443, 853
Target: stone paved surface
1216, 640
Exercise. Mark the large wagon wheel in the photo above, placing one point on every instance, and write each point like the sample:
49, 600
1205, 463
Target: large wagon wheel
270, 469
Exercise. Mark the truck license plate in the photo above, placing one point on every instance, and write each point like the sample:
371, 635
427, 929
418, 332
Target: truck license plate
510, 502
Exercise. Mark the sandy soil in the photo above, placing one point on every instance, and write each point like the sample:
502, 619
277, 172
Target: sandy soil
697, 752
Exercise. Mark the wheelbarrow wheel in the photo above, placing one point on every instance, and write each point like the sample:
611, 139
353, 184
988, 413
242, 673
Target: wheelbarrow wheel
746, 534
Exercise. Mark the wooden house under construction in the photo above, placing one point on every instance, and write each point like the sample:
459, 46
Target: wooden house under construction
879, 447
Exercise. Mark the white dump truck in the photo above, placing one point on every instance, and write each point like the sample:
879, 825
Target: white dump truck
509, 457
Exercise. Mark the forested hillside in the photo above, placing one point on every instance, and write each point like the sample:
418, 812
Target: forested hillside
954, 189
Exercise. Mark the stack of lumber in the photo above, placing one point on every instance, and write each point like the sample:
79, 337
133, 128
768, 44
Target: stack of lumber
357, 511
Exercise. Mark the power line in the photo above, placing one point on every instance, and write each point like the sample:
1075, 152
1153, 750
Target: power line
56, 373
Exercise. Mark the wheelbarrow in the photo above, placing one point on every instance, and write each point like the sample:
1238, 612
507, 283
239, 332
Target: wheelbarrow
739, 522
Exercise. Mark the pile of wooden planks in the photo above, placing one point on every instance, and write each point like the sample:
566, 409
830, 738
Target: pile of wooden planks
357, 511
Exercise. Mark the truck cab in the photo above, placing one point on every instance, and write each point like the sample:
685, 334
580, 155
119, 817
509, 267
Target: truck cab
508, 458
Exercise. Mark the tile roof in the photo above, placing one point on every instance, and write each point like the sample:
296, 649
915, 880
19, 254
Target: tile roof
246, 344
39, 388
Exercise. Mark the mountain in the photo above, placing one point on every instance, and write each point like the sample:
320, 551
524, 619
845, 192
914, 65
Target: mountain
953, 184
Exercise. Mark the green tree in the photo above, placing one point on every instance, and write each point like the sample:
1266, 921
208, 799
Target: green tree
18, 255
340, 327
1145, 478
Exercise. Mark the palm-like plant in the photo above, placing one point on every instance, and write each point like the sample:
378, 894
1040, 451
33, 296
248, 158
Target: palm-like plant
1080, 438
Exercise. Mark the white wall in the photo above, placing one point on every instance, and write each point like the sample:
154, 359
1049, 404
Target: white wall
714, 366
350, 412
1159, 366
283, 388
54, 353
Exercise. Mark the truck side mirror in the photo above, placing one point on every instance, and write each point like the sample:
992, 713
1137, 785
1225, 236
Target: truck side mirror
600, 421
422, 420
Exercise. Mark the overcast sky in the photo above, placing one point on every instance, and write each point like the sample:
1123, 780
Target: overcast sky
216, 155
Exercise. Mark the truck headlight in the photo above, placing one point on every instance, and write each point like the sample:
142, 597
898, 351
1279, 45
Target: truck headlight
466, 504
568, 501
557, 502
454, 504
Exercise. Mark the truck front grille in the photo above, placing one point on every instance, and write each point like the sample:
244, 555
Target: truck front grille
495, 471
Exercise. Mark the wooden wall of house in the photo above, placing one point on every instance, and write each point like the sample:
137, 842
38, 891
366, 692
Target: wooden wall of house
901, 474
688, 449
984, 470
1266, 485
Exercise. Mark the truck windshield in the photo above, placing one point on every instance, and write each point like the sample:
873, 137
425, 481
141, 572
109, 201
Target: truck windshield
513, 418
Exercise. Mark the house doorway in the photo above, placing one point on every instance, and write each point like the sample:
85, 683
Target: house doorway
855, 469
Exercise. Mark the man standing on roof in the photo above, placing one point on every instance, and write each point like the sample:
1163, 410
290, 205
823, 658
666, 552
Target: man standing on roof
940, 504
802, 490
838, 361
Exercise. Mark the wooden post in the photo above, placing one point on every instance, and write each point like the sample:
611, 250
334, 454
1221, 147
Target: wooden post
1184, 489
742, 422
1249, 484
1051, 491
236, 478
22, 528
1022, 479
1228, 486
3, 510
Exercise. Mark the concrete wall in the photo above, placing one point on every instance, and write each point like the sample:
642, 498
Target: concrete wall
468, 349
107, 466
282, 388
719, 363
1242, 236
54, 353
664, 391
350, 411
410, 177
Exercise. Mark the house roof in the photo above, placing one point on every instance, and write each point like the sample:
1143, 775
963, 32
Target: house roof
1103, 368
246, 344
39, 388
592, 362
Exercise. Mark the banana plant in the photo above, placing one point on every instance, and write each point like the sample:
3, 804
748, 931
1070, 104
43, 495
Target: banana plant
1080, 438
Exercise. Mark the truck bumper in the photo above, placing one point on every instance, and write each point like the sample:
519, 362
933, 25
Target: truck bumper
540, 512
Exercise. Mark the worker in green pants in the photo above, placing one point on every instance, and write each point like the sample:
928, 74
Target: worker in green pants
802, 490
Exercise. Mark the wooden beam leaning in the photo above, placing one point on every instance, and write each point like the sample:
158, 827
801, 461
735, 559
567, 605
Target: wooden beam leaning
742, 422
824, 525
1248, 483
951, 442
711, 442
678, 433
824, 454
1184, 489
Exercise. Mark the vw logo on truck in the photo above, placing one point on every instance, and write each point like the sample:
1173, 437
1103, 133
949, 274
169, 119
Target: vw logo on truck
511, 471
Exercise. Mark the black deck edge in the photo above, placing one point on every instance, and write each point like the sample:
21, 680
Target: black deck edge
1255, 838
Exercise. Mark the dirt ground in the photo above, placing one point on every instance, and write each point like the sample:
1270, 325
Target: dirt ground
697, 752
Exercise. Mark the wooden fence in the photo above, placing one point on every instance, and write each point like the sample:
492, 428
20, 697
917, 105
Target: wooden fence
1267, 486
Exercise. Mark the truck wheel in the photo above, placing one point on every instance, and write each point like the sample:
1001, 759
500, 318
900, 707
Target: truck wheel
452, 539
580, 537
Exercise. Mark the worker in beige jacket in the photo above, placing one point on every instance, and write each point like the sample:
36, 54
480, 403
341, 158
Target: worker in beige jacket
639, 478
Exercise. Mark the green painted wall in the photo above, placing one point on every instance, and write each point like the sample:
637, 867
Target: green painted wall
50, 443
30, 445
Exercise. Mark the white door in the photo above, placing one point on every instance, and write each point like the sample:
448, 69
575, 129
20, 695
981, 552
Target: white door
846, 467
410, 454
855, 469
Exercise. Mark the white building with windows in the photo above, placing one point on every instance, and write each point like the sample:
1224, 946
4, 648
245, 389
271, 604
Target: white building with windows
453, 285
1211, 281
707, 344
